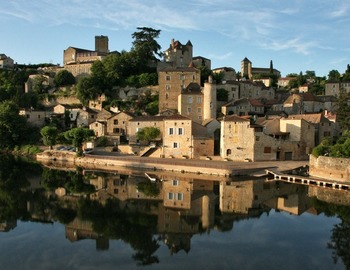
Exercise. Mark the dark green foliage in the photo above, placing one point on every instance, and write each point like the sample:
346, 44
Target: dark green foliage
320, 150
222, 95
343, 112
63, 78
79, 135
13, 127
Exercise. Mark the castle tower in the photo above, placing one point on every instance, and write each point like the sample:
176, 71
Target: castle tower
246, 68
101, 44
209, 99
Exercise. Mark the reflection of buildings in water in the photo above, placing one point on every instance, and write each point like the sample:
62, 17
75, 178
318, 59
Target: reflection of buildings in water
253, 196
290, 198
340, 197
80, 229
8, 225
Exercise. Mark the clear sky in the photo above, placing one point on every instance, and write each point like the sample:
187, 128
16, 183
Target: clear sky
297, 35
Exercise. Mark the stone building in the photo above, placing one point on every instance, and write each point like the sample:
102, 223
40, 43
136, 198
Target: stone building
243, 106
267, 139
335, 88
197, 103
6, 62
171, 83
79, 61
247, 70
178, 55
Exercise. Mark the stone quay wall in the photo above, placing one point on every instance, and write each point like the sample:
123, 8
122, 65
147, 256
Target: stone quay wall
337, 169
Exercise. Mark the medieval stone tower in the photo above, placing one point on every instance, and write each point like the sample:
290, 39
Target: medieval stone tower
101, 44
209, 99
179, 55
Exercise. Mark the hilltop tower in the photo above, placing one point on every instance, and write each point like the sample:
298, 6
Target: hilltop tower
101, 44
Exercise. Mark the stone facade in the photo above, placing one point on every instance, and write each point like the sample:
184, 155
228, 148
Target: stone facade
36, 118
335, 88
279, 139
171, 83
178, 55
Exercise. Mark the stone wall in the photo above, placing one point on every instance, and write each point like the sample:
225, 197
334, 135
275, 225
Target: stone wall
330, 168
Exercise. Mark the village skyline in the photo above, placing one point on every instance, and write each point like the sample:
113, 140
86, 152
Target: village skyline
287, 33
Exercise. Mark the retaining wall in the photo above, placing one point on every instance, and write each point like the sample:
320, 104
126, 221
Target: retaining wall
337, 169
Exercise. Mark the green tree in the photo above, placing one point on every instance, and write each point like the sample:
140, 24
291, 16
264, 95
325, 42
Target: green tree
206, 72
343, 112
13, 127
78, 136
87, 90
222, 95
334, 75
148, 134
145, 43
49, 135
63, 78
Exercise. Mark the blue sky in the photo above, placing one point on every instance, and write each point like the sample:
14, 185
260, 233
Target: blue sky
297, 35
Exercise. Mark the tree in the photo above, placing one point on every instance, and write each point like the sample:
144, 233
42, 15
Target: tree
145, 44
79, 135
148, 134
222, 95
87, 90
49, 135
334, 75
13, 127
343, 112
63, 78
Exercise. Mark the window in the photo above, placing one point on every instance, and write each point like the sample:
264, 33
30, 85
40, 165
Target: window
267, 149
167, 87
171, 131
176, 145
180, 196
170, 196
180, 131
189, 110
167, 77
166, 96
182, 77
175, 182
190, 100
199, 100
228, 152
115, 121
199, 110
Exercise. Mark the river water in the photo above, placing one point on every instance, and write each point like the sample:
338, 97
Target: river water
71, 218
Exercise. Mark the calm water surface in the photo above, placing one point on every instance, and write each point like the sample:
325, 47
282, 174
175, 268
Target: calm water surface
54, 219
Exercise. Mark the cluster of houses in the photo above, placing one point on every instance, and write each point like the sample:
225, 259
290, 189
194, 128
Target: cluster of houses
256, 123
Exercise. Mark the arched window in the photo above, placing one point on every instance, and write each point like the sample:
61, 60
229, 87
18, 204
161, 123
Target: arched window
228, 152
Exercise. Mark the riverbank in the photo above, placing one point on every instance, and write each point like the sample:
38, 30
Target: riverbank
109, 161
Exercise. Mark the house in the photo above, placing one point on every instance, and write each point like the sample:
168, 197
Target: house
85, 117
6, 62
335, 88
35, 117
302, 103
284, 82
99, 128
323, 126
180, 137
200, 61
117, 127
265, 139
244, 106
67, 113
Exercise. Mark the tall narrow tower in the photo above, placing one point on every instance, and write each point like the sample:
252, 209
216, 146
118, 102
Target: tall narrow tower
101, 44
209, 102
